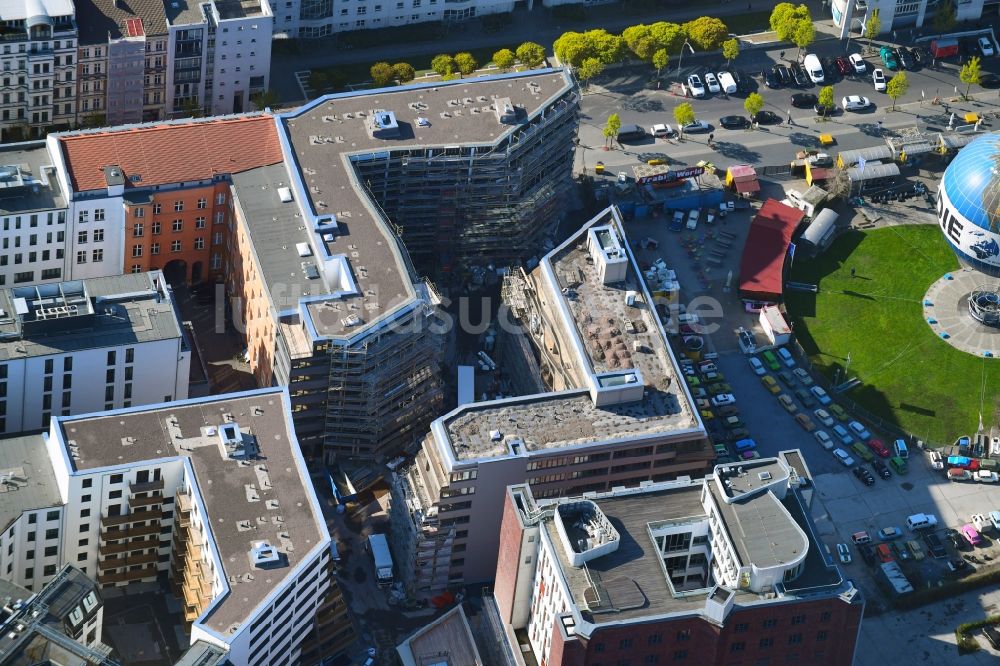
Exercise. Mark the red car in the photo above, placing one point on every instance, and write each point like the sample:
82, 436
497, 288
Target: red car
844, 66
878, 448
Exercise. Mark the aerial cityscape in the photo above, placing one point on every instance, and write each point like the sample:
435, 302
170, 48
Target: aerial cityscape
494, 333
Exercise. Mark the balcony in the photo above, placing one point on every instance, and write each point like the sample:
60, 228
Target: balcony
126, 576
138, 516
119, 562
144, 530
145, 501
148, 487
112, 549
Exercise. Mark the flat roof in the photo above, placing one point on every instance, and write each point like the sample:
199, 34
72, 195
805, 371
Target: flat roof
17, 10
236, 9
38, 188
185, 12
123, 310
31, 484
448, 635
326, 137
594, 315
761, 530
179, 429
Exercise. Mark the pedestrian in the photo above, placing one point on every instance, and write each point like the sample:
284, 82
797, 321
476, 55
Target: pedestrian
789, 112
781, 55
711, 138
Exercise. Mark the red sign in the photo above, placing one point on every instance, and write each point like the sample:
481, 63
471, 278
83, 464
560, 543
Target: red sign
671, 176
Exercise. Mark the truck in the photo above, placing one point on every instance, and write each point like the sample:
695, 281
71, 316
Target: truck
944, 48
958, 474
379, 547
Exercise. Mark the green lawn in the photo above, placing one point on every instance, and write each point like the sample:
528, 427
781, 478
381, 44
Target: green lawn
910, 377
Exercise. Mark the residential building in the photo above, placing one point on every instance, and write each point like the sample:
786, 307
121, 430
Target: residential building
308, 19
33, 210
122, 58
219, 55
61, 624
852, 15
147, 201
88, 346
618, 414
332, 302
449, 637
212, 492
721, 570
39, 67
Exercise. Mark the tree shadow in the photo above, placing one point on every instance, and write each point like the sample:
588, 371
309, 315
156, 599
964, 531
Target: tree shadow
642, 104
803, 139
737, 151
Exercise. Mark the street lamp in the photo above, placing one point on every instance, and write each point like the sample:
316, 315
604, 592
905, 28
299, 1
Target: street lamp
680, 58
849, 31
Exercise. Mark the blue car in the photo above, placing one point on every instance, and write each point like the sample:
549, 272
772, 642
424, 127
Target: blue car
889, 58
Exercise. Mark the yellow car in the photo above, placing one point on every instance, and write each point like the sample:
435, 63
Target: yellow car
771, 384
707, 414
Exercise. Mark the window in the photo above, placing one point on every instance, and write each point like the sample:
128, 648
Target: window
84, 216
87, 483
825, 616
136, 250
29, 572
98, 215
116, 478
680, 655
157, 208
51, 551
175, 246
217, 238
820, 636
51, 515
771, 623
154, 248
49, 570
655, 639
741, 627
798, 619
81, 237
52, 534
98, 235
155, 228
795, 639
738, 646
220, 217
137, 229
199, 243
766, 642
178, 206
97, 255
115, 494
130, 354
81, 557
683, 635
624, 643
83, 543
139, 212
81, 257
84, 528
178, 225
199, 222
220, 198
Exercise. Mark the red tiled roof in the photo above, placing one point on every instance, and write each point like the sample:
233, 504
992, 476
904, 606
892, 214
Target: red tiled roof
763, 262
170, 153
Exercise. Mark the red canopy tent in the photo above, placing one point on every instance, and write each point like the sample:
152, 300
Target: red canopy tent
763, 262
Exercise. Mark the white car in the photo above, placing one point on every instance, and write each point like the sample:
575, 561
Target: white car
712, 83
723, 399
757, 366
786, 357
693, 216
843, 553
727, 83
662, 130
695, 86
855, 103
986, 46
878, 78
841, 455
860, 431
858, 63
824, 417
696, 126
823, 438
821, 395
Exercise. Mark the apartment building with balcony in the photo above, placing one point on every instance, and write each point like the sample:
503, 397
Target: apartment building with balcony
214, 493
219, 55
309, 19
33, 209
726, 569
38, 56
86, 346
122, 57
619, 414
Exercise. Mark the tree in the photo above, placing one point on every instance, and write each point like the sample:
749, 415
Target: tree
683, 115
531, 54
730, 49
897, 87
265, 99
466, 63
93, 119
706, 33
805, 34
825, 99
588, 69
444, 65
970, 74
669, 36
611, 128
753, 104
504, 59
786, 19
639, 39
381, 73
873, 28
571, 48
660, 60
945, 16
403, 72
604, 46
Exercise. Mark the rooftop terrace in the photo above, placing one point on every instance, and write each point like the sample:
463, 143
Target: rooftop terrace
25, 185
269, 498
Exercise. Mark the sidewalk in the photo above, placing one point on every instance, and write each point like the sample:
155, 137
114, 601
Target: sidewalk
537, 25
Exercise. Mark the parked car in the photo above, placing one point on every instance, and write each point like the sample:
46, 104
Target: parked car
712, 83
824, 417
727, 82
914, 547
838, 411
787, 377
787, 402
770, 384
882, 470
804, 397
766, 118
889, 533
803, 100
972, 535
841, 433
867, 551
696, 127
799, 76
784, 75
842, 456
695, 85
770, 77
843, 65
771, 360
858, 63
879, 449
883, 553
821, 395
806, 422
803, 376
859, 430
786, 357
734, 122
905, 58
756, 366
934, 545
878, 79
843, 553
824, 439
859, 538
922, 56
900, 551
855, 103
864, 476
723, 399
662, 130
986, 47
956, 565
889, 57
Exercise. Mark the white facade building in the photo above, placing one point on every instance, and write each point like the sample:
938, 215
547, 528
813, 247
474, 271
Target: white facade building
88, 346
33, 213
320, 18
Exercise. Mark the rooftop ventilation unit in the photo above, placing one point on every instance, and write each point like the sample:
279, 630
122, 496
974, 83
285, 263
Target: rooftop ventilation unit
506, 113
263, 554
284, 194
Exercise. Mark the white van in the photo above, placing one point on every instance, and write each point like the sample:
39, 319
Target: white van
727, 83
921, 521
813, 68
901, 451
